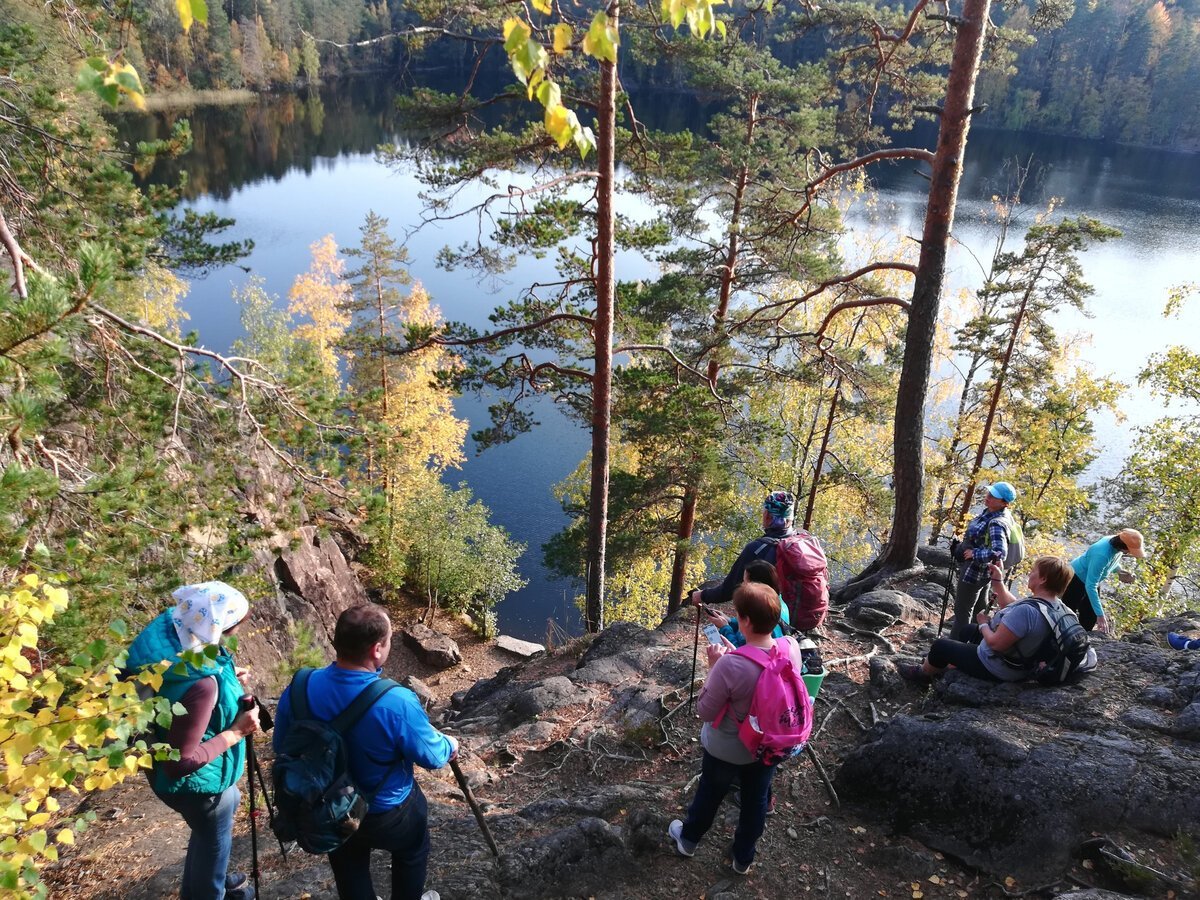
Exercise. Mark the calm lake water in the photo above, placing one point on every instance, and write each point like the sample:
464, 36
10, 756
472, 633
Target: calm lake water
291, 169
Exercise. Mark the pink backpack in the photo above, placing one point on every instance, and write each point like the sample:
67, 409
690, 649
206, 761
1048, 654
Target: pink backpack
803, 579
781, 716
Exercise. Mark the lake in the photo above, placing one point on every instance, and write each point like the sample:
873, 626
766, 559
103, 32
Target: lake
293, 168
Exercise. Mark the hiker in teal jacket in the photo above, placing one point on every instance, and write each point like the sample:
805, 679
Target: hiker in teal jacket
1093, 568
202, 784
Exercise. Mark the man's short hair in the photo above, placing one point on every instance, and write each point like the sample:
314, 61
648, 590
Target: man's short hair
359, 629
1056, 573
759, 604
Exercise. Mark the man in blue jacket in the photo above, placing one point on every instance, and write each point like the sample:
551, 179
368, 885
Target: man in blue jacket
383, 745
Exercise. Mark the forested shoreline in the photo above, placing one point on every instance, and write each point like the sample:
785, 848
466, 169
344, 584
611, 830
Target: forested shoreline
767, 347
1119, 72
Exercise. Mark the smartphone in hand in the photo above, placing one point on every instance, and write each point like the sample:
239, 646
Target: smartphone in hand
713, 635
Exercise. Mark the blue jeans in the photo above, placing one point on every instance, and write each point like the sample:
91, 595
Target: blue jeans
402, 831
715, 778
210, 817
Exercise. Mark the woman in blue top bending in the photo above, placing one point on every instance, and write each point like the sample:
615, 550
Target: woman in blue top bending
763, 572
1093, 568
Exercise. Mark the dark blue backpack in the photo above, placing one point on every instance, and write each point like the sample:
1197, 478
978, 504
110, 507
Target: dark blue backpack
319, 804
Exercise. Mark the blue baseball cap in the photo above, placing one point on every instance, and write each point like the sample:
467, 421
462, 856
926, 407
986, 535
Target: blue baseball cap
1002, 490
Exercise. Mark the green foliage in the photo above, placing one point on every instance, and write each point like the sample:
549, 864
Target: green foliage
68, 726
305, 653
457, 559
1159, 490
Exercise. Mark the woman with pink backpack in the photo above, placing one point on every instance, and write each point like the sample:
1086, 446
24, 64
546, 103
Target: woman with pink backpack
756, 713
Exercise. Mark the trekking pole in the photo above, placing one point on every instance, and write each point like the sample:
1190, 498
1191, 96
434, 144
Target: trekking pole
946, 595
470, 797
262, 786
695, 653
246, 703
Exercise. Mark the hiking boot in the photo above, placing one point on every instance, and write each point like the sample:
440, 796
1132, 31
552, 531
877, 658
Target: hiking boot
234, 880
244, 891
915, 673
771, 805
683, 846
738, 868
1179, 642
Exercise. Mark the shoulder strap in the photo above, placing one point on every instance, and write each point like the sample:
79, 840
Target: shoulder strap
299, 694
366, 698
764, 542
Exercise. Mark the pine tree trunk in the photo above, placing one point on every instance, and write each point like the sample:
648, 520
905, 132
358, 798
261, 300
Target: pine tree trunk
687, 523
687, 511
997, 391
909, 431
602, 379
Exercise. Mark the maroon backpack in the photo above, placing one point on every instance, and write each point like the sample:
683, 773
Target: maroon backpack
803, 579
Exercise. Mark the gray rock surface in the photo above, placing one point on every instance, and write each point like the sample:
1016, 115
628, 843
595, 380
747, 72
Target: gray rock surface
517, 647
421, 689
878, 609
432, 648
1013, 777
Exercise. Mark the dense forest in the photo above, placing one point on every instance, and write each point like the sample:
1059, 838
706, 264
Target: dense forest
1114, 71
796, 353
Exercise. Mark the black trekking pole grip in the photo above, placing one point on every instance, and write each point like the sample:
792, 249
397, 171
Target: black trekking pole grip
471, 801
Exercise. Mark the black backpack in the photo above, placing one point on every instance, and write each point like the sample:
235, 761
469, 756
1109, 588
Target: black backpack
1062, 653
319, 804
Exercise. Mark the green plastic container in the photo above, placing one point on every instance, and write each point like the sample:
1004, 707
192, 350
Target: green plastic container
813, 683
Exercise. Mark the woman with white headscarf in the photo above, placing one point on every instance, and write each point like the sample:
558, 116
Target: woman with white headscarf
202, 784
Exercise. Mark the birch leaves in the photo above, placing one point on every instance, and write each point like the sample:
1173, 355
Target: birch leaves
599, 38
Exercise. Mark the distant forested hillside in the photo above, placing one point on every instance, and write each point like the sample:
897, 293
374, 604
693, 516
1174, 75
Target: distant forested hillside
1123, 71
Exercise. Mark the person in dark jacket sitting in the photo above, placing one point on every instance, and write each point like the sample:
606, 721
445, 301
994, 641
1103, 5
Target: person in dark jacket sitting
210, 736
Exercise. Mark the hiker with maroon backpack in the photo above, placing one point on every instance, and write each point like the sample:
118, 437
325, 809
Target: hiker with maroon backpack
799, 563
756, 714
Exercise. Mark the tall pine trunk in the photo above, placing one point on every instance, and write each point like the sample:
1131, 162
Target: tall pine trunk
602, 379
687, 512
909, 431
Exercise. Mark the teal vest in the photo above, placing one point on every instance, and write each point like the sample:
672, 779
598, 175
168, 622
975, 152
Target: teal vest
158, 642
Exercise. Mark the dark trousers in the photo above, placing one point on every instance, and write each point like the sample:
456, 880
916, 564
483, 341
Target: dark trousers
1075, 598
403, 831
963, 655
969, 599
715, 778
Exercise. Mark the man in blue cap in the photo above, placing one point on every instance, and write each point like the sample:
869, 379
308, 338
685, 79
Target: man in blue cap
985, 542
779, 510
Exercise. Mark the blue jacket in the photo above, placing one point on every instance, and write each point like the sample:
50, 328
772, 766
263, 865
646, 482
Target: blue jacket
1093, 568
735, 636
394, 734
158, 642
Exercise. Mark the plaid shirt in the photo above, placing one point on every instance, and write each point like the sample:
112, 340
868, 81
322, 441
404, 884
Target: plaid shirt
987, 530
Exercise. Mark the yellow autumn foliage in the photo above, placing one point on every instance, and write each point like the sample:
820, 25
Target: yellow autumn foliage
65, 727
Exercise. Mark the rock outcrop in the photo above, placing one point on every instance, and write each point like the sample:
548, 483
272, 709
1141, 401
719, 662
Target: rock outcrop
1013, 777
431, 647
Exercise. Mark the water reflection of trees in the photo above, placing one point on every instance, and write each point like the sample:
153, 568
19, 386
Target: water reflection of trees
278, 133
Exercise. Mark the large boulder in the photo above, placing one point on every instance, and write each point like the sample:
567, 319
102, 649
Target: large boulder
1013, 777
431, 647
879, 609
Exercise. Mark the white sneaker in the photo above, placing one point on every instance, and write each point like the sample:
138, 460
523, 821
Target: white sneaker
431, 895
682, 846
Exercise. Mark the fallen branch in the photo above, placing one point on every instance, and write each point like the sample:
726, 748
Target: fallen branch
812, 754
